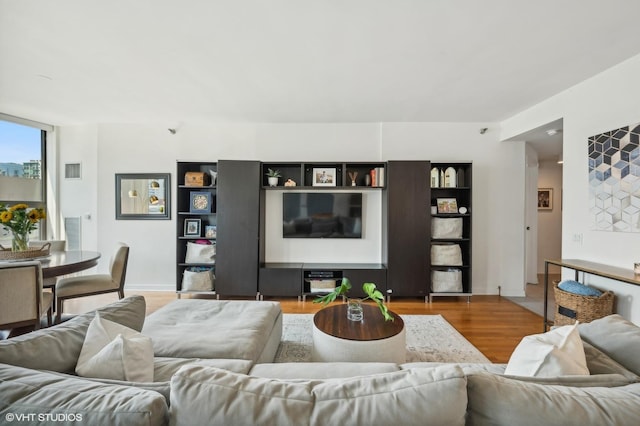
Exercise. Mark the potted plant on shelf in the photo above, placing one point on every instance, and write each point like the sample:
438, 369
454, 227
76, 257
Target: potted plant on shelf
272, 176
354, 308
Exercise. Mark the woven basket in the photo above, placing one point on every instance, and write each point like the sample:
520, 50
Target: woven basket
30, 253
575, 307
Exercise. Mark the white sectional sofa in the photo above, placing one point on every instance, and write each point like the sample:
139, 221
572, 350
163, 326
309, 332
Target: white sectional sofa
37, 377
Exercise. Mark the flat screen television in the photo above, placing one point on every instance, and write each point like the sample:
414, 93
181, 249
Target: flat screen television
322, 215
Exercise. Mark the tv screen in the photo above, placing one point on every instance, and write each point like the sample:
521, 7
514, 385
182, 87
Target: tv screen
321, 215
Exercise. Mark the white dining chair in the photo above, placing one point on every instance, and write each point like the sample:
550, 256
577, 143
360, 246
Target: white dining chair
22, 301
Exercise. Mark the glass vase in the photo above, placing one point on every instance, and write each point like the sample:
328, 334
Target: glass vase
354, 309
20, 241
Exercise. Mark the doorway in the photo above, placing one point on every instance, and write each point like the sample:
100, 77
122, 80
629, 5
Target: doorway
543, 211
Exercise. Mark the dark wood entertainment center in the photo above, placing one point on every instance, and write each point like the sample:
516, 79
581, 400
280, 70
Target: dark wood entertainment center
238, 212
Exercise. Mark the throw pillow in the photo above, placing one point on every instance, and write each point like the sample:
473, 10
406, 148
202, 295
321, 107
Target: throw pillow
113, 351
558, 352
575, 287
616, 337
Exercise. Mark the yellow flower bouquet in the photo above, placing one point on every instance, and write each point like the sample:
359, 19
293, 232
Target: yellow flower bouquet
20, 219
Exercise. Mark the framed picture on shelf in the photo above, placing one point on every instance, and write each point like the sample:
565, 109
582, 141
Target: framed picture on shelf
210, 231
447, 205
545, 199
324, 176
192, 227
200, 202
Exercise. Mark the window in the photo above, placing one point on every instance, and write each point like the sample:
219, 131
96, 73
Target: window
22, 168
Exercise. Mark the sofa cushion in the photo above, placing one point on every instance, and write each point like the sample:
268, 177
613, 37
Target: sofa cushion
599, 363
213, 396
57, 348
467, 367
496, 400
162, 387
558, 352
321, 370
165, 367
29, 392
232, 329
113, 351
616, 337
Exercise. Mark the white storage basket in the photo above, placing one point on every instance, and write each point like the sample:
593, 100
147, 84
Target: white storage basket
446, 254
446, 227
449, 281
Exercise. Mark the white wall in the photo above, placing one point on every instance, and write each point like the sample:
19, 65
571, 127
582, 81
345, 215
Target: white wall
498, 247
550, 221
604, 102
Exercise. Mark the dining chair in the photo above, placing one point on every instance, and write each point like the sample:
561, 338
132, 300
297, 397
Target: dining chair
22, 301
89, 285
54, 246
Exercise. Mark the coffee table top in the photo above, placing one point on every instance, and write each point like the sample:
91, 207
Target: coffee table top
333, 320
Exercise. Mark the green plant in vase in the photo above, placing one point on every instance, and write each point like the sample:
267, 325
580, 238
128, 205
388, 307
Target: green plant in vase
272, 176
369, 289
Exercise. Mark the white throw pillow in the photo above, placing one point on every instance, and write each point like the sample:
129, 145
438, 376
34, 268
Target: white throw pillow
113, 351
558, 352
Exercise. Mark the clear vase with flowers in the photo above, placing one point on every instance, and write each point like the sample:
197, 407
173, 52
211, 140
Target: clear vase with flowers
21, 220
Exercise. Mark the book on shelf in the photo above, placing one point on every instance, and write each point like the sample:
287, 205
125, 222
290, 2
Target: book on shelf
377, 176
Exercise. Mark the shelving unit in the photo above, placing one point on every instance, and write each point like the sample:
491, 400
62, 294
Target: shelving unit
207, 216
405, 245
302, 173
458, 187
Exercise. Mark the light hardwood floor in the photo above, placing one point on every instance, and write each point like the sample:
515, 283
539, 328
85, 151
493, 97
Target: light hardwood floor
493, 324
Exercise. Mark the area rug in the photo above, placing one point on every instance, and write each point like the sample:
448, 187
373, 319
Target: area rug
429, 338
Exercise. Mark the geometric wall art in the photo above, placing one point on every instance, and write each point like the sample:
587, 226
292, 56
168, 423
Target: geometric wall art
614, 180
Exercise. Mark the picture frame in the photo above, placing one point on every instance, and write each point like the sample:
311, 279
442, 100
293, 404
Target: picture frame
143, 196
545, 198
210, 231
447, 205
200, 202
192, 227
324, 176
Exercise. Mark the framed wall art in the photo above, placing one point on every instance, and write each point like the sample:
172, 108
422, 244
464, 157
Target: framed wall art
143, 196
545, 199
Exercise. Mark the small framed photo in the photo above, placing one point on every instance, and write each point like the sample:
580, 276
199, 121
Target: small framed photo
545, 199
192, 227
210, 231
324, 176
447, 205
200, 202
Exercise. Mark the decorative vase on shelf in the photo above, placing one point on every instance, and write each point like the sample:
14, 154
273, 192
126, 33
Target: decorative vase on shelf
435, 177
273, 181
20, 241
354, 309
450, 178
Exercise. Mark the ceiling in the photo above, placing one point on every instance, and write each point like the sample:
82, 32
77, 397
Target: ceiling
89, 61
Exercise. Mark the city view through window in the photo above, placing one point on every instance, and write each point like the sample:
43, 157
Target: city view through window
21, 168
20, 151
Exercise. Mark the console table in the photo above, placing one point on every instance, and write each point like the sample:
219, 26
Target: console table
293, 279
586, 267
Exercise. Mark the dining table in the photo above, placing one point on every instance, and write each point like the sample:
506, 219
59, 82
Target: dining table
60, 263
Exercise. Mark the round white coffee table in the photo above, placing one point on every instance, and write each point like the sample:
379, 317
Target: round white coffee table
336, 338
